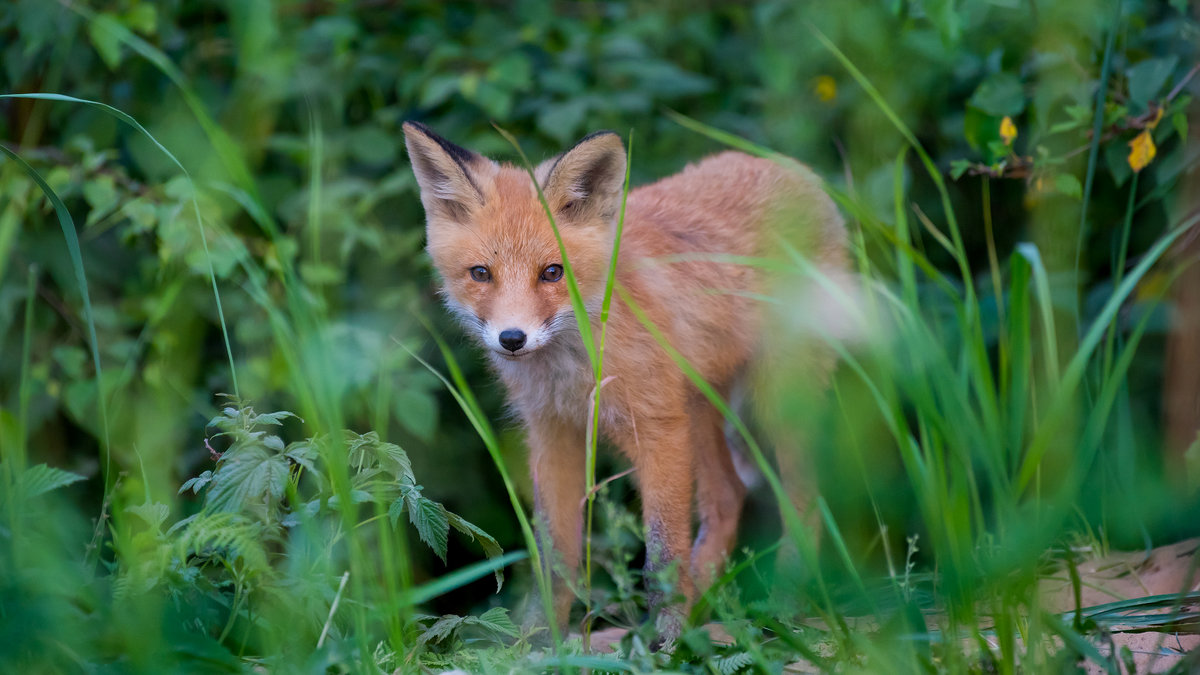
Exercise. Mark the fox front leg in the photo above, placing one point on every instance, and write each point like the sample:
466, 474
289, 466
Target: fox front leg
664, 470
557, 465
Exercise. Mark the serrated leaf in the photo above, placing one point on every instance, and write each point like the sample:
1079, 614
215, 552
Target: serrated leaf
247, 475
440, 630
275, 418
153, 513
304, 454
41, 478
396, 510
497, 620
491, 548
727, 665
431, 520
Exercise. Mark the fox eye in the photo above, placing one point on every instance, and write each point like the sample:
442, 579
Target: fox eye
552, 273
481, 273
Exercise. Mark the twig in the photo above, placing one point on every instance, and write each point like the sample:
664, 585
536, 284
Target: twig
333, 608
596, 488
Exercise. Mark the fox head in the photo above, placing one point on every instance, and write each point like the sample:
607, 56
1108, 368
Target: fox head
494, 247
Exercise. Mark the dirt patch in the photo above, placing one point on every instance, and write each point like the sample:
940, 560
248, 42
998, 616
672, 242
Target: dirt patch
1116, 577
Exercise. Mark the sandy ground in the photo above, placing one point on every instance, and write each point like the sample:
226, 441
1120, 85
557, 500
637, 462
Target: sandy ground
1116, 576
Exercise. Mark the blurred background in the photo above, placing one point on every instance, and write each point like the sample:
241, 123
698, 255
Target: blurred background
287, 117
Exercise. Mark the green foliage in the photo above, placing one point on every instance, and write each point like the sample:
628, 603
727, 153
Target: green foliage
238, 215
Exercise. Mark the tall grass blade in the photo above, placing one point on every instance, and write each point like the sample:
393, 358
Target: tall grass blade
67, 224
127, 119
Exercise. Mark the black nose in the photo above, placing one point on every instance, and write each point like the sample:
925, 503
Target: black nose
512, 339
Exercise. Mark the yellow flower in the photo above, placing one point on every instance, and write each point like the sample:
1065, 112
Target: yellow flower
825, 88
1141, 151
1008, 130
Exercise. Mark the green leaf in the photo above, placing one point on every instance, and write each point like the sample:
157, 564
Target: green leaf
1068, 185
438, 89
513, 72
41, 478
496, 620
727, 665
153, 513
562, 121
197, 483
143, 18
1147, 78
371, 145
247, 476
431, 521
491, 547
1180, 122
104, 31
958, 167
417, 410
999, 95
304, 454
100, 192
396, 510
1116, 158
275, 418
441, 629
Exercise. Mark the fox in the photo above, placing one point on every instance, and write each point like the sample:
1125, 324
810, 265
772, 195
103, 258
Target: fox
681, 266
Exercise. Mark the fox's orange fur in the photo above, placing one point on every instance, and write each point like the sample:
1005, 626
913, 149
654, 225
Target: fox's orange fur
485, 215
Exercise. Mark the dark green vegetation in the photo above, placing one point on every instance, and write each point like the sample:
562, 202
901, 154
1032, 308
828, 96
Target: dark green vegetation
242, 220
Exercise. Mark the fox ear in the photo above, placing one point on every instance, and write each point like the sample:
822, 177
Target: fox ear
446, 173
587, 178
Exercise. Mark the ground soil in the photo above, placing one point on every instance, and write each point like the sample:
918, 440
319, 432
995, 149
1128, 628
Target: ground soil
1115, 576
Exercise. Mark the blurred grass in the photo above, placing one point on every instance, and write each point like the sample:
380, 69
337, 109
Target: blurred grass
1003, 406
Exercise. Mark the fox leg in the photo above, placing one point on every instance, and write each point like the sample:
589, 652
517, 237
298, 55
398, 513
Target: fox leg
664, 471
719, 494
791, 398
557, 463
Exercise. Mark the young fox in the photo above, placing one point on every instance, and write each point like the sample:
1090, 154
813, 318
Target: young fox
503, 276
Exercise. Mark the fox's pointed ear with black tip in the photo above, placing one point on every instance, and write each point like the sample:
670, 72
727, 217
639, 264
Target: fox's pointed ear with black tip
586, 181
450, 177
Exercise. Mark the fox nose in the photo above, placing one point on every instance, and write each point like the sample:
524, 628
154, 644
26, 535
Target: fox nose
512, 339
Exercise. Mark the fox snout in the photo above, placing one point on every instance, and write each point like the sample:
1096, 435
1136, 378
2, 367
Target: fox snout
512, 339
